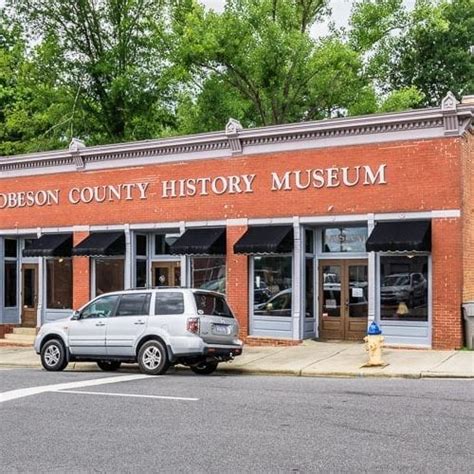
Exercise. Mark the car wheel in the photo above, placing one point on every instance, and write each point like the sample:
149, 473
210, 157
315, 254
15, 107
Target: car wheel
204, 368
152, 358
53, 356
109, 365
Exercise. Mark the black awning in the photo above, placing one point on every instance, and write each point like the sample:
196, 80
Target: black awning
268, 239
49, 245
101, 244
400, 237
207, 241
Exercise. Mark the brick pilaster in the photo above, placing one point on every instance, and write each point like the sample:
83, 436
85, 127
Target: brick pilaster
447, 283
80, 274
237, 285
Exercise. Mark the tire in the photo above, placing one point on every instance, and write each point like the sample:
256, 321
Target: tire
53, 356
109, 365
152, 358
204, 368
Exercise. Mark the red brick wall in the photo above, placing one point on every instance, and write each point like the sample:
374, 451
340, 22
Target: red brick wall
447, 283
80, 275
421, 175
467, 158
237, 279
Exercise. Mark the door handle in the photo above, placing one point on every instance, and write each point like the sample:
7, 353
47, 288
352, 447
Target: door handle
100, 324
139, 323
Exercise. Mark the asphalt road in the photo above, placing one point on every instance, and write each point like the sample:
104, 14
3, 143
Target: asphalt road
219, 423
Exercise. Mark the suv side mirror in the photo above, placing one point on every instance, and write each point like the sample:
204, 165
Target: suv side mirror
76, 315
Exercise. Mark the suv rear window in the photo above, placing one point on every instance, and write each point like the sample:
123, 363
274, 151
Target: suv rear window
169, 302
136, 304
212, 305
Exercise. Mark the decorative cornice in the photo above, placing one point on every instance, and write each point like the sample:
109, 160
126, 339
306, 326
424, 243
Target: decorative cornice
450, 119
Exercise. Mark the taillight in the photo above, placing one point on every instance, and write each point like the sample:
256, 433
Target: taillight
192, 325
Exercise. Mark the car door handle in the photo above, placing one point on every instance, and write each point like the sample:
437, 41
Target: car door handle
139, 322
100, 324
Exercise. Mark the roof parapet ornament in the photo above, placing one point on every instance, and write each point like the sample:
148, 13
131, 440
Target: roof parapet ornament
75, 147
232, 130
450, 118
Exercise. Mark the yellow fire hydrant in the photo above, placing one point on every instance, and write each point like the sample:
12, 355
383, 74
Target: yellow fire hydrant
374, 343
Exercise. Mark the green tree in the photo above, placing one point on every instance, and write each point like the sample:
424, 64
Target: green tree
112, 56
259, 62
416, 56
32, 101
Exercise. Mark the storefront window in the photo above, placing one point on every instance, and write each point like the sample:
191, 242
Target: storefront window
272, 277
344, 239
309, 290
141, 244
163, 243
10, 248
404, 288
140, 274
108, 275
10, 284
10, 268
208, 273
59, 283
309, 241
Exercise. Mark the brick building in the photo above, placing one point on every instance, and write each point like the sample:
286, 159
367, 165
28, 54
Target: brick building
311, 229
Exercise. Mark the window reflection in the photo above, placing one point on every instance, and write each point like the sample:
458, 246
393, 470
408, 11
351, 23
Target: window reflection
404, 288
208, 273
344, 239
59, 283
272, 286
109, 275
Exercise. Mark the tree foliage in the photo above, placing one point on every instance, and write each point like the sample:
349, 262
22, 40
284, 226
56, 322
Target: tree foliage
114, 70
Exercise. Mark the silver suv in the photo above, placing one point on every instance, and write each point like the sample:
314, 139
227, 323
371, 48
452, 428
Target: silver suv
156, 328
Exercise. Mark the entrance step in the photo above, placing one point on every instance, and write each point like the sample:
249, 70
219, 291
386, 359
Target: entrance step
20, 339
25, 331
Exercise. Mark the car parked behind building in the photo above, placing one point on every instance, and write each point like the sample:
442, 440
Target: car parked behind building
156, 328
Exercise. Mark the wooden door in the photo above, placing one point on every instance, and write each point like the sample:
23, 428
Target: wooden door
29, 303
166, 274
343, 306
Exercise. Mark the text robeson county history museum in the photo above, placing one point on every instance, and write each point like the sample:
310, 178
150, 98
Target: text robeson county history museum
201, 186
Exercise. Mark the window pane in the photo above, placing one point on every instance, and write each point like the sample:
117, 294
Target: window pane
137, 304
404, 288
29, 287
212, 305
309, 241
108, 275
332, 290
358, 291
272, 286
344, 239
10, 284
140, 275
59, 283
169, 303
10, 248
100, 308
208, 273
309, 282
141, 245
163, 243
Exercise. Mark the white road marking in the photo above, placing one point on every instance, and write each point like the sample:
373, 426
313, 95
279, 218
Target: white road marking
26, 392
134, 395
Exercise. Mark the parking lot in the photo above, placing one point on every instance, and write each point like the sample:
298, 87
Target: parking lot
127, 422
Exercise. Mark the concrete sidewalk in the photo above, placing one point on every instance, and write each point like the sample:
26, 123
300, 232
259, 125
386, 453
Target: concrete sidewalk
311, 359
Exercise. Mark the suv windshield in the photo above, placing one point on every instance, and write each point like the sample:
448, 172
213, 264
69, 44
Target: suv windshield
212, 305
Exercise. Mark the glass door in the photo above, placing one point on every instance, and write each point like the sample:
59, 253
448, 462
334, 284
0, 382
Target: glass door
166, 274
29, 295
343, 291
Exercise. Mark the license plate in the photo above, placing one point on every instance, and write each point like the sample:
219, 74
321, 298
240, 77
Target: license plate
220, 329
